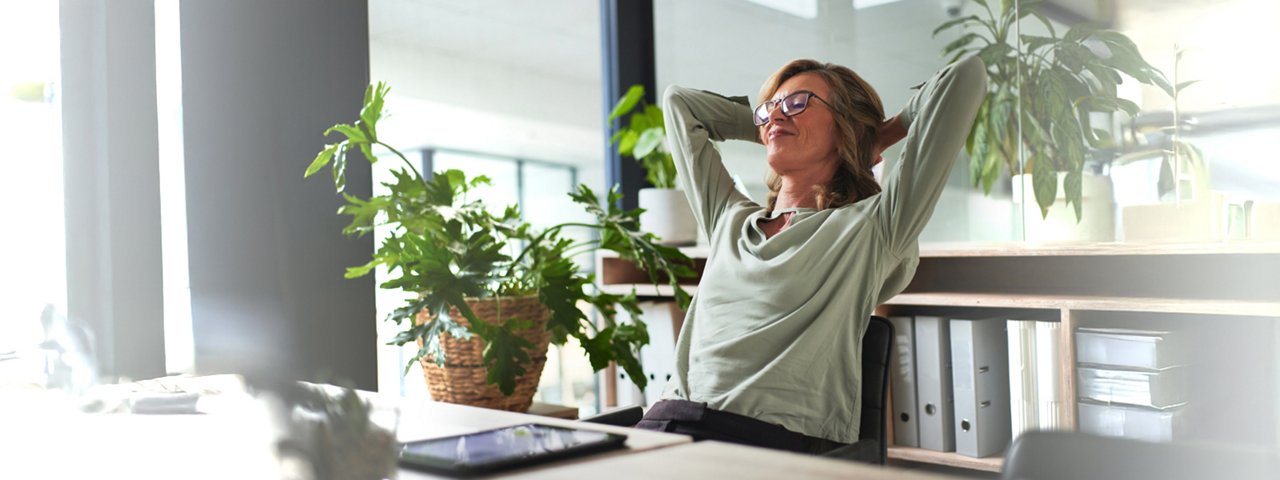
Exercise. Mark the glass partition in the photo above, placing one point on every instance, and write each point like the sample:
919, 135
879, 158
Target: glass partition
1153, 116
1076, 143
506, 89
889, 43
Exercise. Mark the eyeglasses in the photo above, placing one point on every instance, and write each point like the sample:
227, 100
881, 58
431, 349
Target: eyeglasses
791, 105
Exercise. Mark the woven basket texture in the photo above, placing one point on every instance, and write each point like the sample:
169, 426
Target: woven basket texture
462, 378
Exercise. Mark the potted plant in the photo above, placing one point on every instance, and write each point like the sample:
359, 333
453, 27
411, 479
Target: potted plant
1041, 93
492, 291
1178, 205
643, 136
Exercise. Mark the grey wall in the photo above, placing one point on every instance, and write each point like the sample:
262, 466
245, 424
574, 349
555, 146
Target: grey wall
261, 82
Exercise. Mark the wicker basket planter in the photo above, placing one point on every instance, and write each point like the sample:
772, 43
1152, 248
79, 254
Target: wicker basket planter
462, 379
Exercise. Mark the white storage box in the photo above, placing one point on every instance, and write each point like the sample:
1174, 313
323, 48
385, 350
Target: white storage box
1138, 423
1118, 347
1155, 388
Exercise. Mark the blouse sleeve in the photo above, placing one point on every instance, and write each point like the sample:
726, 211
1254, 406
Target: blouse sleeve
695, 118
938, 118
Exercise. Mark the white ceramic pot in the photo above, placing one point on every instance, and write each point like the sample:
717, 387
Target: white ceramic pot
667, 215
1097, 219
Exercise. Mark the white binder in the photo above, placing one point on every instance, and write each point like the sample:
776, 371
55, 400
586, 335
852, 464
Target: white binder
902, 371
1023, 385
1049, 396
933, 384
980, 376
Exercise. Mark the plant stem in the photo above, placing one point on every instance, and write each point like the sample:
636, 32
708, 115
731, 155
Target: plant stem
406, 161
580, 248
542, 236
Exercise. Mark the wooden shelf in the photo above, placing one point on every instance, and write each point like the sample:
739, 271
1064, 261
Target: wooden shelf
646, 290
989, 464
1114, 304
691, 252
1018, 249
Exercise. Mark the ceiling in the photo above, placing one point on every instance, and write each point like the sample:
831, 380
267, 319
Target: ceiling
559, 38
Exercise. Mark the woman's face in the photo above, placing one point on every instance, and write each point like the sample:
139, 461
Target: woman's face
806, 140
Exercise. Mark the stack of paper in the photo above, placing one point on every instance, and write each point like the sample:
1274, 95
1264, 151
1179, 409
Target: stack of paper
1132, 383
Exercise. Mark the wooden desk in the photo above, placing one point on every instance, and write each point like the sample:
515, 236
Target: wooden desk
648, 454
713, 460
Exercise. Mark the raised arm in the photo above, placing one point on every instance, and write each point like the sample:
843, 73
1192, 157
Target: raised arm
937, 121
694, 119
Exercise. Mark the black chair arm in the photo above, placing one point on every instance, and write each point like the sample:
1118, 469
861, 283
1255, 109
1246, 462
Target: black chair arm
621, 417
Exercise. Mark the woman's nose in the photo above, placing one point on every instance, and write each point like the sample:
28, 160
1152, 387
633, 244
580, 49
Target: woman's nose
775, 114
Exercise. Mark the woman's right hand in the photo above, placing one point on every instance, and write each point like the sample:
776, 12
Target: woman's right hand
889, 132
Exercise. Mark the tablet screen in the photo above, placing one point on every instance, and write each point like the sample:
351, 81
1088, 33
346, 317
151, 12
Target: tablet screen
506, 446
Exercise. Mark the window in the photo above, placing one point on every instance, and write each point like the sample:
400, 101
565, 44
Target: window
508, 89
540, 192
34, 244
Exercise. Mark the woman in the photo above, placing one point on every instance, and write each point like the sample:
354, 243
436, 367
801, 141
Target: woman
770, 351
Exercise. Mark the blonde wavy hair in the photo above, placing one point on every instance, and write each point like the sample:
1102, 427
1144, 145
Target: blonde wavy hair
858, 113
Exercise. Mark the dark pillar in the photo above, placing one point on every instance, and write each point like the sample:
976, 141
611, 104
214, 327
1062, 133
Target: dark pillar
626, 30
262, 80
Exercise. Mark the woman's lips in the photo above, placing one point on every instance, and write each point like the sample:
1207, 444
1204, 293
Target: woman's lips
777, 132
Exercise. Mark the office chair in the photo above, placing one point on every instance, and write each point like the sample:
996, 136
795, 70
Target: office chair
877, 347
871, 447
1061, 455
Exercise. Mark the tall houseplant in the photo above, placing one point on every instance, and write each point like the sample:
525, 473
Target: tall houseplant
642, 136
1040, 94
453, 252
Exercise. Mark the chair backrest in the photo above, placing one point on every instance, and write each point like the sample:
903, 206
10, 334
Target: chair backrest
1078, 456
877, 346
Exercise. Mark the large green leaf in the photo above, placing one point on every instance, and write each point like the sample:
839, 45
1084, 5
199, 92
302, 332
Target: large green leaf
505, 353
627, 102
1072, 187
321, 160
995, 53
340, 167
374, 97
627, 144
1044, 181
956, 21
649, 140
626, 342
961, 42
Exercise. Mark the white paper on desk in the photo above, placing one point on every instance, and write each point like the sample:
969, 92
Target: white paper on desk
90, 446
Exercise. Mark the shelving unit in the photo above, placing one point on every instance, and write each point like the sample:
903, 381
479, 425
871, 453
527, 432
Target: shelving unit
920, 455
1091, 303
1210, 284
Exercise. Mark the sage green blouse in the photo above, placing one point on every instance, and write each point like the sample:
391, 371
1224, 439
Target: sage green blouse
775, 330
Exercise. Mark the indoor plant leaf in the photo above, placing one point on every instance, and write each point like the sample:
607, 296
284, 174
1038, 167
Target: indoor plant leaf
450, 250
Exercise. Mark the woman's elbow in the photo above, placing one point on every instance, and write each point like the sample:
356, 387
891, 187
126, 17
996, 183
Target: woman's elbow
969, 73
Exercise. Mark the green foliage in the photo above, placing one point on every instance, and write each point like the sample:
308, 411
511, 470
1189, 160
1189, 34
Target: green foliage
641, 137
447, 248
1055, 82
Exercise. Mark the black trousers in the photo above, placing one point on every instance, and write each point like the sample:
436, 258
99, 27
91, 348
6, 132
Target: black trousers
702, 423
